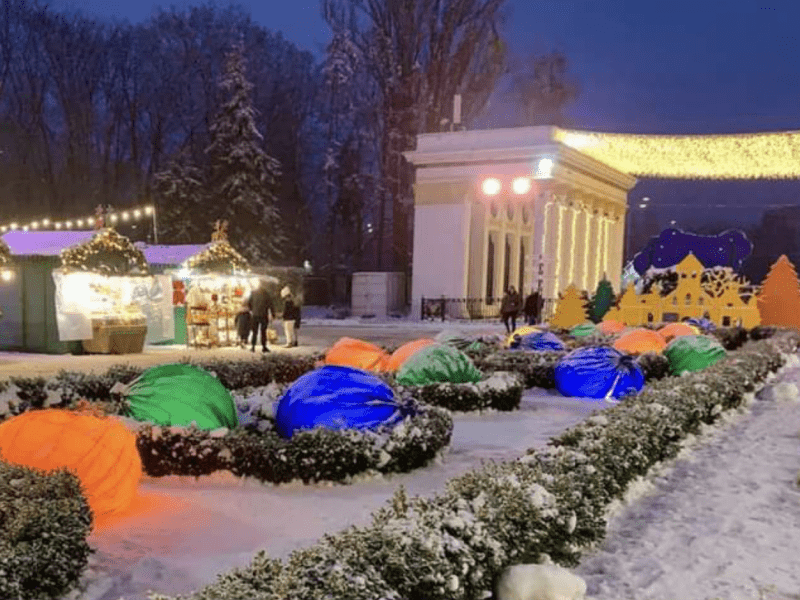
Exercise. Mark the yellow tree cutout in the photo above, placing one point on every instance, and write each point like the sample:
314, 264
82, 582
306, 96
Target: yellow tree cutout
571, 309
779, 299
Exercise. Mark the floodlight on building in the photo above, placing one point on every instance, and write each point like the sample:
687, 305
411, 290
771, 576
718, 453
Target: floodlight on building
521, 185
491, 186
544, 169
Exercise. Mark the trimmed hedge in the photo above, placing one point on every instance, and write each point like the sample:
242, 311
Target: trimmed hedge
44, 523
453, 545
502, 390
316, 455
19, 394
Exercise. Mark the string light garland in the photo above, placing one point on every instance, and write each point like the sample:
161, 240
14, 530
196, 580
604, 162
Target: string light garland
107, 253
111, 217
219, 257
772, 155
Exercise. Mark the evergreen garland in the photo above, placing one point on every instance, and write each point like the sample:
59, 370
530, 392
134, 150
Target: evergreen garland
218, 257
107, 253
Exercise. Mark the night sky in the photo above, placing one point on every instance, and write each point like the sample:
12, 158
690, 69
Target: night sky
643, 66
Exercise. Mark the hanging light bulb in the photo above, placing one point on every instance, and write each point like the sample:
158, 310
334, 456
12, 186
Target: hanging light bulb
137, 213
148, 210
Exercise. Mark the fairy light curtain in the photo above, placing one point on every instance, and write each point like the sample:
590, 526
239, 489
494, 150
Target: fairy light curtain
771, 155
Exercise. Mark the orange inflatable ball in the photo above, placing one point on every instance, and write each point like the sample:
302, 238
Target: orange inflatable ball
610, 327
673, 330
101, 451
405, 351
349, 352
640, 341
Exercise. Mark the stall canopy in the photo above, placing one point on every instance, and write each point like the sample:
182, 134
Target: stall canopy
28, 300
44, 243
169, 257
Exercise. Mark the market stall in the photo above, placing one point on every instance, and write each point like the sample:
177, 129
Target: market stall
216, 281
105, 296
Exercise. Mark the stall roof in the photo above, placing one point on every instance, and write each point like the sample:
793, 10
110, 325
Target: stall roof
44, 243
169, 255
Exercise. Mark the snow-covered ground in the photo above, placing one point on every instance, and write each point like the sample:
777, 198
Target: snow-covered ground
720, 522
198, 528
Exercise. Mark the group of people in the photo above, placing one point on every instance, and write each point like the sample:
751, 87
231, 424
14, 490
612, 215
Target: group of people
511, 305
256, 313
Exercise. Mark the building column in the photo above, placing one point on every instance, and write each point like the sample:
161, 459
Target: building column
616, 262
582, 247
571, 263
552, 247
594, 238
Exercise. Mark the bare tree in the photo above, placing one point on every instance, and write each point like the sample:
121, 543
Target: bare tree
542, 89
420, 53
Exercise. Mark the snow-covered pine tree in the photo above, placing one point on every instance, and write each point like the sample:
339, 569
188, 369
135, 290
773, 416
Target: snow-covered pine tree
181, 192
243, 175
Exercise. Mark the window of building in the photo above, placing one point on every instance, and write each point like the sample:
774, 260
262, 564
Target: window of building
649, 317
726, 321
688, 300
507, 265
510, 210
490, 270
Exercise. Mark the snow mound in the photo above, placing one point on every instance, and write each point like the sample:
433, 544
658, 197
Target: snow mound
540, 582
783, 392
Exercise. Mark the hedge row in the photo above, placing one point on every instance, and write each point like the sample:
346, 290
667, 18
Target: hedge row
19, 394
453, 545
502, 390
316, 455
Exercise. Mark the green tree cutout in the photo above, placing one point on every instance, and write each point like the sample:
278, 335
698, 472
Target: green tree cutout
601, 301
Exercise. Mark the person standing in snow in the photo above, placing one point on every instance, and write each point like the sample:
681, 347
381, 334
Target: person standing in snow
291, 317
260, 305
509, 309
243, 324
532, 308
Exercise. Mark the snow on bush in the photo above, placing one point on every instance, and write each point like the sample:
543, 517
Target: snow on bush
540, 582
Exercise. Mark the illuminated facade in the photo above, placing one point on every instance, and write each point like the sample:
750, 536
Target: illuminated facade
504, 207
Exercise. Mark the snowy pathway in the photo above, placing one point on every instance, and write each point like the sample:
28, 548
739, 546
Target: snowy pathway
205, 527
722, 522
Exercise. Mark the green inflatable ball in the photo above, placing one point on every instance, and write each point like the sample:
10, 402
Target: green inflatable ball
693, 353
583, 330
438, 363
178, 394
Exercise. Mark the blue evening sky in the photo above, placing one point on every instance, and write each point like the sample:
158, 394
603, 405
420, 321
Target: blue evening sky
645, 66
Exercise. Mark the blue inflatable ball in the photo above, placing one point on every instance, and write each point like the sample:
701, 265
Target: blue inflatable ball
703, 324
337, 397
598, 373
540, 341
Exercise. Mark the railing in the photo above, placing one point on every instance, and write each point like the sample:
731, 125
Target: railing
473, 309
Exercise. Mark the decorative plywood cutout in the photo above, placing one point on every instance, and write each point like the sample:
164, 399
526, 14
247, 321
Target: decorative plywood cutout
571, 309
720, 300
779, 300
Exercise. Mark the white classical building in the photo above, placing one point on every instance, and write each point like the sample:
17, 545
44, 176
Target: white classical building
567, 228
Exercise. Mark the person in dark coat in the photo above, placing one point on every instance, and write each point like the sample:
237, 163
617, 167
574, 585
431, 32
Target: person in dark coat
244, 323
532, 308
260, 305
291, 317
509, 309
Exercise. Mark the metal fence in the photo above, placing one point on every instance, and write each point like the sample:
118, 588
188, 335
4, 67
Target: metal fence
473, 309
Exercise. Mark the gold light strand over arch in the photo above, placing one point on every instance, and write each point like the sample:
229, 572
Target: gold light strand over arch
772, 155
